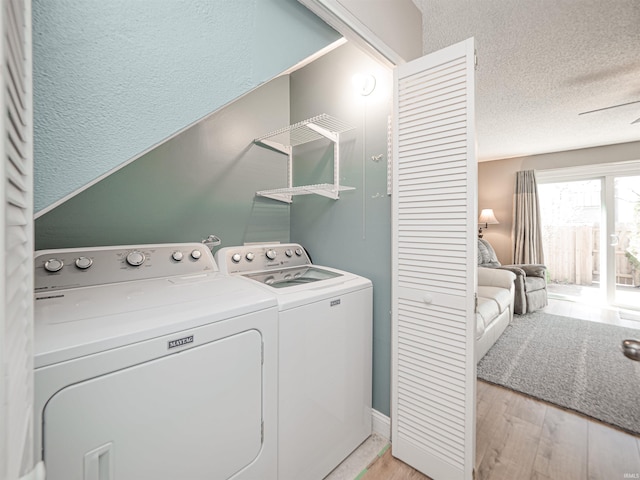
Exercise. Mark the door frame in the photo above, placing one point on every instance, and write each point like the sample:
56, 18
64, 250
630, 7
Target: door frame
343, 21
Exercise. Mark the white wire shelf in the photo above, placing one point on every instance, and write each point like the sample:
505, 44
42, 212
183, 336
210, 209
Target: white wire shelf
285, 194
315, 128
283, 141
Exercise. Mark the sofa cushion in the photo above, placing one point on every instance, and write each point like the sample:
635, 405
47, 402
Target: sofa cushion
500, 295
487, 311
534, 283
495, 277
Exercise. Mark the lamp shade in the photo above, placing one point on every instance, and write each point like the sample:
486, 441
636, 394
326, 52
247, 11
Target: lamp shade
488, 217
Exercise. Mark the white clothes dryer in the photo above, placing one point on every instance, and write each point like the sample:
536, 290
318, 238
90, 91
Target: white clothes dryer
325, 345
150, 365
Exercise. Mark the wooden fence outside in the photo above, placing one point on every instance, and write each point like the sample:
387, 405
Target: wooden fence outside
572, 255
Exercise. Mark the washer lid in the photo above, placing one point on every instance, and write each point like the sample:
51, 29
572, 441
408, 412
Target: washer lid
292, 277
82, 321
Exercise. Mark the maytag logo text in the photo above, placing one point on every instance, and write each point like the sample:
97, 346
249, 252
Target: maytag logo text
180, 341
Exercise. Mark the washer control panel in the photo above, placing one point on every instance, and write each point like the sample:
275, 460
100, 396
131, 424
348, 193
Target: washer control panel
84, 267
261, 257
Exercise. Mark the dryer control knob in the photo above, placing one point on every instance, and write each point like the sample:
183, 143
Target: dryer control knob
288, 252
53, 265
83, 263
177, 256
135, 258
250, 256
271, 254
299, 252
196, 254
236, 257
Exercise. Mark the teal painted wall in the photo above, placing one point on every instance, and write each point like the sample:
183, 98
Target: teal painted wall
200, 182
353, 233
114, 78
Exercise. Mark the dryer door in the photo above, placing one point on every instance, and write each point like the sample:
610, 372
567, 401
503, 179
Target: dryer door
195, 414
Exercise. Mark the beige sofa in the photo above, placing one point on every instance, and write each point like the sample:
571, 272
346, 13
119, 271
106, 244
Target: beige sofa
494, 309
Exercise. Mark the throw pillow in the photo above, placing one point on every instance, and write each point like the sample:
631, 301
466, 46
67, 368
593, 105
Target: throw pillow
486, 254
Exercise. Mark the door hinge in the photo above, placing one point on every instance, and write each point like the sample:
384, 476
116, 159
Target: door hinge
475, 302
262, 432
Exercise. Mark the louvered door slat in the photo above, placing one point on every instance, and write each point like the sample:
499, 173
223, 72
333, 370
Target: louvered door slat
14, 47
16, 95
16, 282
439, 109
414, 247
15, 196
433, 264
443, 122
17, 146
15, 216
15, 116
15, 177
429, 85
418, 77
15, 236
17, 158
415, 128
453, 99
449, 429
428, 405
424, 418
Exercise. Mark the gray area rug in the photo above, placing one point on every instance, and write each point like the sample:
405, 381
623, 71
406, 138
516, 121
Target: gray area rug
576, 364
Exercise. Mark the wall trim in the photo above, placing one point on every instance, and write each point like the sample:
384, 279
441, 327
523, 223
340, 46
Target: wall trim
380, 424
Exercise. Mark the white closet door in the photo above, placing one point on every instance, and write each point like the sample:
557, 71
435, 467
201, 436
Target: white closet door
434, 261
16, 262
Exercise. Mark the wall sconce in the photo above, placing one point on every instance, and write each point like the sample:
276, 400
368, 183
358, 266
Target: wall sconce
488, 218
364, 84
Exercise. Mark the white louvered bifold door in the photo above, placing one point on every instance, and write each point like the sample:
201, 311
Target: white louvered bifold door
16, 281
434, 248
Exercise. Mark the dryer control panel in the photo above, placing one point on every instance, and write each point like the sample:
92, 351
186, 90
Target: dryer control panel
84, 267
261, 257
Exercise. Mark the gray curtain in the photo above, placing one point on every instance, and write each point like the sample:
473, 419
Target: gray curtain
527, 232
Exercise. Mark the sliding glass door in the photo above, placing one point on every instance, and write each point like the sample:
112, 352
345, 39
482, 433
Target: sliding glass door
591, 234
625, 240
571, 220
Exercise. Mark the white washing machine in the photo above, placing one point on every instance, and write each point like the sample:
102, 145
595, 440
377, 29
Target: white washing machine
151, 365
325, 344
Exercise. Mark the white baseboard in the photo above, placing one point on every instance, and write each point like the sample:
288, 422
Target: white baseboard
380, 424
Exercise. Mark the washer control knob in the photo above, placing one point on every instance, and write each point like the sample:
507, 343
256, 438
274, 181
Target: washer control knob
288, 252
299, 252
177, 256
250, 256
135, 258
83, 263
53, 265
196, 254
271, 254
236, 257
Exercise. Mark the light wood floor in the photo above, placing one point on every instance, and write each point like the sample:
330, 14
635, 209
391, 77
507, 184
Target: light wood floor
518, 437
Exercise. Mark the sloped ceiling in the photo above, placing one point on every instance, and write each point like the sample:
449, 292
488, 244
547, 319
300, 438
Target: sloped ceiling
543, 63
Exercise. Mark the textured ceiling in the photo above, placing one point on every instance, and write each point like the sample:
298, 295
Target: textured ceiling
542, 63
